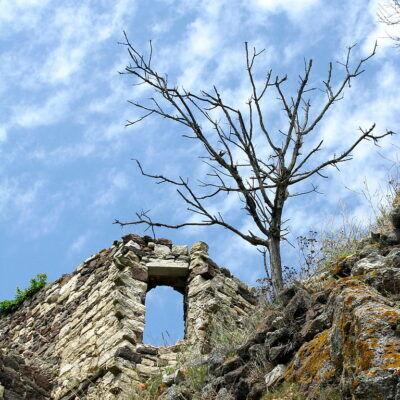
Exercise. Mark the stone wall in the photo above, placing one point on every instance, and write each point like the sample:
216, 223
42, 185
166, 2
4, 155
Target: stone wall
84, 332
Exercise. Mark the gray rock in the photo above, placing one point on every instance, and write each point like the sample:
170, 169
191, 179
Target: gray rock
393, 258
278, 322
277, 353
180, 250
161, 250
127, 353
288, 293
257, 351
298, 306
280, 335
395, 217
1, 392
392, 238
386, 281
373, 262
314, 326
123, 260
179, 376
172, 393
272, 377
146, 349
168, 379
208, 391
199, 247
369, 249
223, 394
132, 245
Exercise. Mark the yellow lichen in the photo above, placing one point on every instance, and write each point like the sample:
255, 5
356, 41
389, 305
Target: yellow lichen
311, 360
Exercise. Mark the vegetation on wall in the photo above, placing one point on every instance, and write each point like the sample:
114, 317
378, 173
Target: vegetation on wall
8, 306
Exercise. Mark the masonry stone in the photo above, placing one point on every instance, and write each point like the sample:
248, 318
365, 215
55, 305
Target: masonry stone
84, 332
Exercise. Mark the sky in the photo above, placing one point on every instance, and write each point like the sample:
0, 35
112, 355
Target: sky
66, 170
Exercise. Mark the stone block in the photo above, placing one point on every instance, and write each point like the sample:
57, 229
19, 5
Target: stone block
162, 268
147, 349
135, 238
133, 245
127, 352
147, 370
205, 270
180, 250
124, 260
201, 287
161, 250
67, 289
140, 274
165, 242
199, 247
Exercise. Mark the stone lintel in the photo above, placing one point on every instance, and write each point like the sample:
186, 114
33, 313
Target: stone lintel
161, 268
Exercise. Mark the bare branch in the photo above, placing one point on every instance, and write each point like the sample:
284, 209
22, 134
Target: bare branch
243, 154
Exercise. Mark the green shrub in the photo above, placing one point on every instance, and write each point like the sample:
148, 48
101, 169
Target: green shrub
8, 306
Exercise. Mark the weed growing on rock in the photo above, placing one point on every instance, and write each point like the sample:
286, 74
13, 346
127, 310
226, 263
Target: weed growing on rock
8, 306
197, 377
287, 391
290, 391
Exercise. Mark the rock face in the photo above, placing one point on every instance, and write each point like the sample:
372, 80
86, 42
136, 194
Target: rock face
83, 333
360, 351
343, 337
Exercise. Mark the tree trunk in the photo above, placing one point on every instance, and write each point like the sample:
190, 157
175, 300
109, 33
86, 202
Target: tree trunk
275, 263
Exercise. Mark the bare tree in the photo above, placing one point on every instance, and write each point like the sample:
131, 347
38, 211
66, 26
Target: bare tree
389, 14
235, 140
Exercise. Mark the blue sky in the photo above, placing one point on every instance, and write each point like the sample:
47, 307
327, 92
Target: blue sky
66, 171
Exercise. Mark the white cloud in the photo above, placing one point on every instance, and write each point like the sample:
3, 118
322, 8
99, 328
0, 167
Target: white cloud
51, 111
115, 182
292, 7
381, 31
79, 243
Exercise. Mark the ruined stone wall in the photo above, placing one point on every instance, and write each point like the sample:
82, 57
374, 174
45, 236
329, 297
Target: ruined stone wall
83, 333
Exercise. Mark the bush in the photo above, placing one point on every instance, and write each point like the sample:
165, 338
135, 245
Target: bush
8, 306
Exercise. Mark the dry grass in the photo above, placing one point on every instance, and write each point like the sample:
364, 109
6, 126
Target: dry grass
290, 391
287, 391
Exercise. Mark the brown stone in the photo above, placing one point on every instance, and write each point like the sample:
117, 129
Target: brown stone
140, 274
205, 270
136, 238
165, 242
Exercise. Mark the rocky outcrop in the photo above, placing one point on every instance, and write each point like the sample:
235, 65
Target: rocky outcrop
360, 352
342, 338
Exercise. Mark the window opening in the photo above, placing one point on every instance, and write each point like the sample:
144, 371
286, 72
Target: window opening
164, 324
